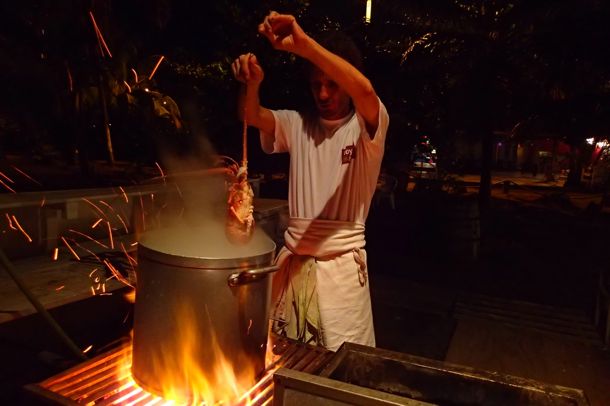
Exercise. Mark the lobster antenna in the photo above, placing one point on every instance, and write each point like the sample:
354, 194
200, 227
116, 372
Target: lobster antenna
244, 161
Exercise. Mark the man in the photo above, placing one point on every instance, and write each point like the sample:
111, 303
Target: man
321, 291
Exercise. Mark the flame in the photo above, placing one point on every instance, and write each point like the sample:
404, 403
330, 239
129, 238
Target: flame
183, 377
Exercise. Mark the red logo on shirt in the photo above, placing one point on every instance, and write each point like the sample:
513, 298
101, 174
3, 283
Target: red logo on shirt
347, 154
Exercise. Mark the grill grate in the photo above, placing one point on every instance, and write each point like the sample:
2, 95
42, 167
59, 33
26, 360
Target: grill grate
106, 379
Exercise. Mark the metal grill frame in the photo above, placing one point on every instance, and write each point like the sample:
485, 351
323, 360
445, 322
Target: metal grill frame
100, 381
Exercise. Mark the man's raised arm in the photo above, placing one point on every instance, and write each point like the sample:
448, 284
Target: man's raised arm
284, 33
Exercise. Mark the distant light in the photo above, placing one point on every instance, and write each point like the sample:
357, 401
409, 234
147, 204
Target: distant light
367, 17
434, 151
602, 144
590, 141
146, 89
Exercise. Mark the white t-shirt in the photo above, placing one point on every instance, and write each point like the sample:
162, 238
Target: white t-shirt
334, 165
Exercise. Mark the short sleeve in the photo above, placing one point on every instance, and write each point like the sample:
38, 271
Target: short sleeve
382, 126
285, 122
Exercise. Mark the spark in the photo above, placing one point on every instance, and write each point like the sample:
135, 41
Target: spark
127, 86
92, 291
55, 254
10, 222
60, 288
155, 68
107, 205
70, 248
7, 187
89, 251
44, 200
142, 211
6, 177
161, 170
124, 194
135, 74
96, 223
92, 272
178, 190
26, 175
88, 237
86, 350
110, 235
70, 81
129, 257
123, 222
133, 244
116, 273
21, 229
127, 315
96, 207
249, 326
100, 37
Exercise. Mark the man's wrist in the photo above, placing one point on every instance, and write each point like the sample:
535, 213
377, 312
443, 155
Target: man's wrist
252, 86
308, 47
312, 51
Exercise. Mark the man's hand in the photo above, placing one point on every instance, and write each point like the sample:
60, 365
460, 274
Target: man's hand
283, 32
246, 69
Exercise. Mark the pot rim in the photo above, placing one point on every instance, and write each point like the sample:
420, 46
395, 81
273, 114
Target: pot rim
206, 263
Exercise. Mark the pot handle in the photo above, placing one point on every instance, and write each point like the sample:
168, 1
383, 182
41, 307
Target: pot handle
251, 275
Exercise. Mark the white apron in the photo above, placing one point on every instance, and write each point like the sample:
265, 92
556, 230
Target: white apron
321, 292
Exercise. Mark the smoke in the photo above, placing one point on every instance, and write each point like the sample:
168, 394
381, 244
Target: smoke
192, 191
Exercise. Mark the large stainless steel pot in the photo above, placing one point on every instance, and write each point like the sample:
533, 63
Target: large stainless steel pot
197, 292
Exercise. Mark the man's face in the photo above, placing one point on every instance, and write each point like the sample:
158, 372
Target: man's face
332, 101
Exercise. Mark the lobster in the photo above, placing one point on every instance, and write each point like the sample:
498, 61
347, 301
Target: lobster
240, 202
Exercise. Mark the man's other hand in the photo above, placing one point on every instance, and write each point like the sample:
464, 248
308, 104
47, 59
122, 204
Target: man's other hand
284, 33
246, 69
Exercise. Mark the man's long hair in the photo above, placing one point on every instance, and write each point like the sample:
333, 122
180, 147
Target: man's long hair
339, 44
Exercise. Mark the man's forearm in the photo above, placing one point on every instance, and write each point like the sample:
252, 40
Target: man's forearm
346, 75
